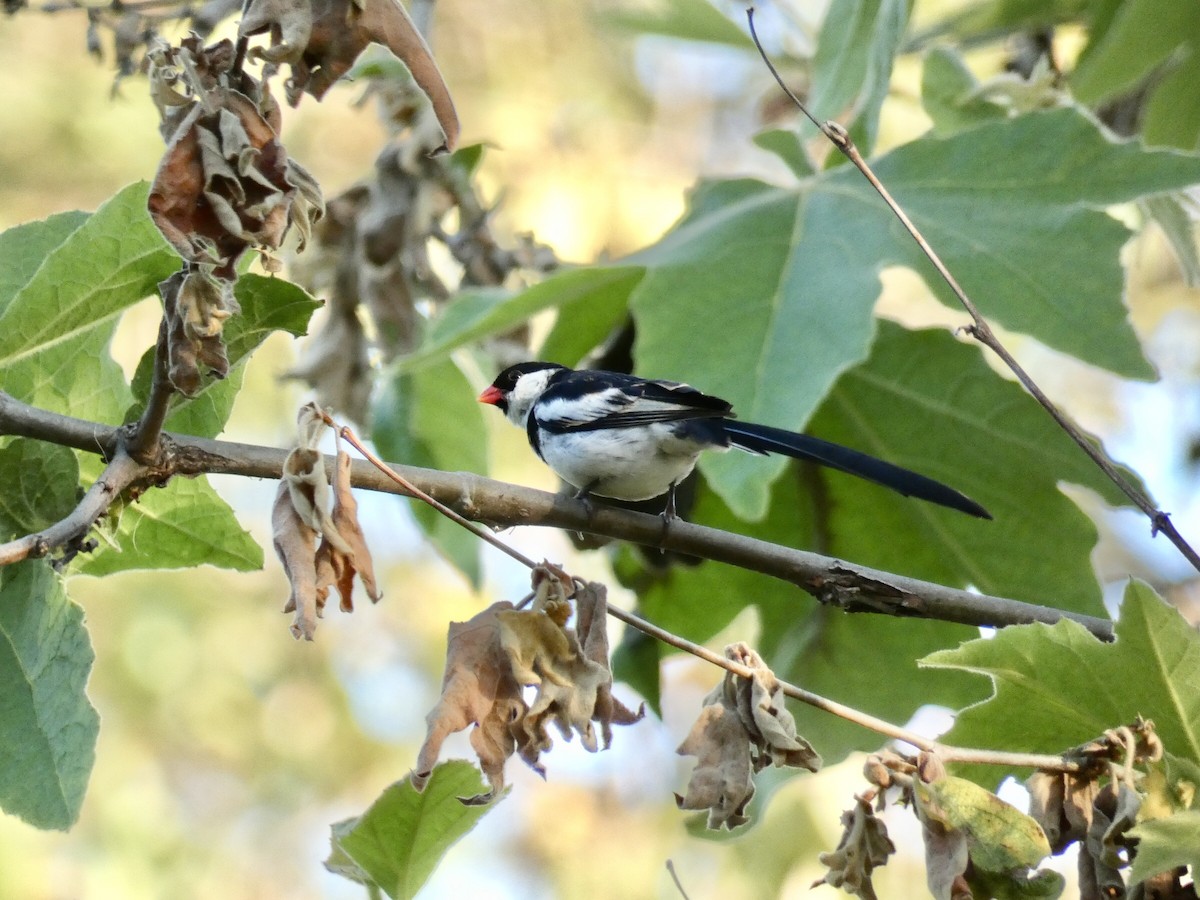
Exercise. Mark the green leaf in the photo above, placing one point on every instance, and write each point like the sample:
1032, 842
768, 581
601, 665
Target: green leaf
922, 401
1165, 844
689, 20
24, 248
852, 68
775, 288
787, 145
182, 525
948, 93
38, 486
1001, 837
55, 330
1056, 686
1168, 212
47, 726
267, 305
474, 315
430, 418
398, 841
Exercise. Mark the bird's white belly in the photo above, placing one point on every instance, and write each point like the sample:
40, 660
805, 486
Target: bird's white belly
622, 463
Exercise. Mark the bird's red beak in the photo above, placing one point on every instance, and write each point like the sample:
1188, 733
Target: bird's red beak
492, 395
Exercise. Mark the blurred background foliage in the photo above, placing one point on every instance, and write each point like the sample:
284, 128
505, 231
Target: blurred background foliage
226, 747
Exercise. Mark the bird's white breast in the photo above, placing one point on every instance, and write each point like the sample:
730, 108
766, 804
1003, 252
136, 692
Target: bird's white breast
623, 463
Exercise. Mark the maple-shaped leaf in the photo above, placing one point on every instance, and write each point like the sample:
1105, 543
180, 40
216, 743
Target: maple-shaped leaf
787, 277
1057, 686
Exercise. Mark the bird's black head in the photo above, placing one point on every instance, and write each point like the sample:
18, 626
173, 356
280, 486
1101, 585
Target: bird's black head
497, 394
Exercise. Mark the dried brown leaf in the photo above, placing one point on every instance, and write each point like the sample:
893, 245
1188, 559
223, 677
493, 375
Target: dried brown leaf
864, 845
722, 781
336, 567
295, 545
591, 624
341, 29
478, 688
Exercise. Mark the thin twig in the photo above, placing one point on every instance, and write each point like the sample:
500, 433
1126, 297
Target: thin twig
1047, 762
980, 329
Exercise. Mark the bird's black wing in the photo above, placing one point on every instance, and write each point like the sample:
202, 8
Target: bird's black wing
591, 400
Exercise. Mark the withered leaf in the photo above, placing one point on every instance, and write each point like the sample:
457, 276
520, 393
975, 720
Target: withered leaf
340, 31
744, 724
591, 624
226, 184
335, 566
864, 845
296, 546
194, 305
478, 688
722, 781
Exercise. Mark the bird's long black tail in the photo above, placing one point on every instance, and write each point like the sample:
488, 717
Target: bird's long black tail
764, 439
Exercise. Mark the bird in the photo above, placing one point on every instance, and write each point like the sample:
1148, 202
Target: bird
623, 437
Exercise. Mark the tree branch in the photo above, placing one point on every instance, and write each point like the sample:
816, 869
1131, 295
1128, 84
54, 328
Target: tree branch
120, 474
851, 587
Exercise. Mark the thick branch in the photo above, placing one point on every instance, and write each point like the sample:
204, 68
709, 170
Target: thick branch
852, 587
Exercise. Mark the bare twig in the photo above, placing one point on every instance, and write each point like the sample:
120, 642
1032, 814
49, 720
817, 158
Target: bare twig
851, 587
980, 329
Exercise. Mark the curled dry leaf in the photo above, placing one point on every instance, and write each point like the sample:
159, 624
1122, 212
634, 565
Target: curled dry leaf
1105, 848
743, 727
321, 40
591, 624
478, 688
1062, 804
336, 566
492, 657
301, 514
226, 183
864, 845
194, 306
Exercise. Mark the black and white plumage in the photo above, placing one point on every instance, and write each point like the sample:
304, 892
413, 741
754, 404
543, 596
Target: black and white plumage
633, 438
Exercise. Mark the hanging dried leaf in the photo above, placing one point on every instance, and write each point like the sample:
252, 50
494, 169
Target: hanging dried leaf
322, 41
296, 546
478, 688
722, 781
302, 513
335, 566
743, 727
1062, 804
591, 624
864, 845
225, 183
194, 306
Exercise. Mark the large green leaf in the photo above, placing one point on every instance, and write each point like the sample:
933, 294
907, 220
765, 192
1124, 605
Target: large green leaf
929, 403
55, 330
1057, 686
47, 726
182, 525
774, 288
267, 305
38, 486
481, 313
396, 844
431, 418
